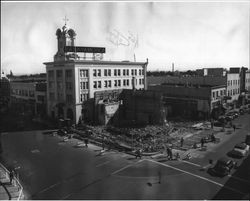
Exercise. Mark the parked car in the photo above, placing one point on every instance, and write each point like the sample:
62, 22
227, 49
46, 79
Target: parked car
62, 132
223, 166
240, 150
247, 140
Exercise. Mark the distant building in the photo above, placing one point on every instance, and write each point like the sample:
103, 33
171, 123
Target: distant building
4, 94
192, 101
28, 97
73, 79
211, 72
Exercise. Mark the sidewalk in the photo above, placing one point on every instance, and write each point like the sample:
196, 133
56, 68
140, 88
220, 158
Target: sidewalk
9, 191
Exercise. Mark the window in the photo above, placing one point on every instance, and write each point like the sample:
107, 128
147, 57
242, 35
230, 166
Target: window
132, 71
142, 81
127, 72
124, 72
59, 96
68, 85
115, 83
94, 72
68, 73
69, 98
124, 82
135, 71
51, 85
51, 96
99, 73
213, 94
84, 85
109, 83
59, 85
228, 83
83, 97
83, 73
119, 83
115, 72
95, 85
119, 72
99, 84
109, 72
142, 72
51, 74
127, 82
139, 71
59, 73
105, 72
105, 83
139, 81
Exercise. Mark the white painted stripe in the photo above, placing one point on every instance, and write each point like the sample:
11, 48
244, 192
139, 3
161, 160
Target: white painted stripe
51, 186
200, 177
191, 163
103, 164
127, 166
240, 179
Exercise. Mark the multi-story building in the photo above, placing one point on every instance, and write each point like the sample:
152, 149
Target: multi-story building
72, 79
28, 97
247, 82
233, 85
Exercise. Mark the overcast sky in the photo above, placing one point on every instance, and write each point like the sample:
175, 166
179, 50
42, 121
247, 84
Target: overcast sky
191, 35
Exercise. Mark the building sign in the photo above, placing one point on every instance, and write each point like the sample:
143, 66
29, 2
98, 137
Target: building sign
84, 49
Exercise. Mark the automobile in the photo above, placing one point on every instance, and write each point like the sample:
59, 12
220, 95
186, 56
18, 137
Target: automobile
62, 132
239, 150
247, 140
223, 166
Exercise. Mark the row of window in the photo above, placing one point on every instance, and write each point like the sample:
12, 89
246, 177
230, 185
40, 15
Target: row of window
84, 85
59, 74
248, 80
233, 82
117, 72
84, 97
217, 94
68, 85
116, 83
233, 92
69, 97
23, 92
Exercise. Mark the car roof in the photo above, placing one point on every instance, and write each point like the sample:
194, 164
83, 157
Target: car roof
224, 160
241, 145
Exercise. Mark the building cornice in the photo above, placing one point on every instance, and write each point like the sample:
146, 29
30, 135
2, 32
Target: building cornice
96, 62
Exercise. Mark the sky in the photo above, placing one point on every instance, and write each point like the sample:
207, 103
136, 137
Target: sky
189, 34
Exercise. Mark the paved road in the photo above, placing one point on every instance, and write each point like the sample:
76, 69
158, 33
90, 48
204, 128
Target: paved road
52, 169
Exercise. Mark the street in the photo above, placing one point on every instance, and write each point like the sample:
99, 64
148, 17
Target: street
50, 168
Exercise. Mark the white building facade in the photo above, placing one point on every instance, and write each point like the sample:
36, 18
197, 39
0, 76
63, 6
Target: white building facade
72, 80
233, 86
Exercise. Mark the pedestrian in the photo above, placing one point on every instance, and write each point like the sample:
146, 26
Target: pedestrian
202, 142
182, 141
171, 154
168, 152
159, 174
234, 127
86, 142
11, 175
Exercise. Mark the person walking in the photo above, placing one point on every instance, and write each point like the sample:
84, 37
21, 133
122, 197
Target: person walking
11, 175
202, 142
182, 141
234, 127
86, 141
213, 138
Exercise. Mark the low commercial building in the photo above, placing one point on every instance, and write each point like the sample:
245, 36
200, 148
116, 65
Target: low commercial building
192, 101
28, 97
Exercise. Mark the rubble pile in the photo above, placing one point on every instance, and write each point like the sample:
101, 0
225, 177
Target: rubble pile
151, 138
